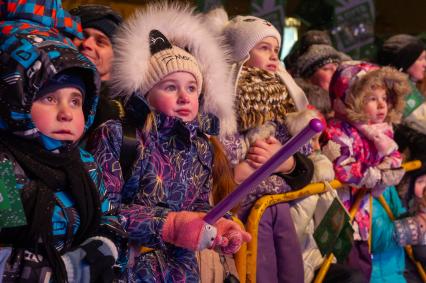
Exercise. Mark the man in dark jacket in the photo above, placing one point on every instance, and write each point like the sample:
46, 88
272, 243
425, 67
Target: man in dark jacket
99, 24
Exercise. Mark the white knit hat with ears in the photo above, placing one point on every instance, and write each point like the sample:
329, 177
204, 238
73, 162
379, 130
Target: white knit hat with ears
166, 59
242, 33
183, 28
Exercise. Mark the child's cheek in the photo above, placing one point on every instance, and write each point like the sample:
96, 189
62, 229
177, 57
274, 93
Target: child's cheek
419, 186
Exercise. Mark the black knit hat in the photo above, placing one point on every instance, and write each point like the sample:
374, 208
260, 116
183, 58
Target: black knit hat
63, 80
99, 17
400, 51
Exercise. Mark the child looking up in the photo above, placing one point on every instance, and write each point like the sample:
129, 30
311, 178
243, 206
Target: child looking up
59, 225
265, 93
170, 94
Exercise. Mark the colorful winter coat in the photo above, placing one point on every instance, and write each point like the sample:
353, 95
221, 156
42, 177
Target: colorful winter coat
388, 257
356, 160
258, 92
65, 218
172, 172
35, 16
32, 51
235, 148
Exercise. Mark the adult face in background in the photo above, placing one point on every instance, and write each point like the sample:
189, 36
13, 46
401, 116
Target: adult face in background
99, 24
417, 70
322, 76
318, 64
97, 47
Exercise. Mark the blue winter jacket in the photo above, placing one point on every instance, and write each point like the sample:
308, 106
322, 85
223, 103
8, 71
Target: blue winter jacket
387, 256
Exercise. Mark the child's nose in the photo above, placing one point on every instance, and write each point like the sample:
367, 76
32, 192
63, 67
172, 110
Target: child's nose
64, 114
183, 97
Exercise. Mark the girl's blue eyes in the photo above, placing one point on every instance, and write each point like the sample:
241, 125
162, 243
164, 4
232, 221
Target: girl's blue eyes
174, 88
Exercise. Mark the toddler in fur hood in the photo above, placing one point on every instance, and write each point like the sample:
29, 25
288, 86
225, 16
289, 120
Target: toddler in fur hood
367, 99
172, 74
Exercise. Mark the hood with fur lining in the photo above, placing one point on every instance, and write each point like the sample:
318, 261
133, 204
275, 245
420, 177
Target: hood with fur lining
353, 81
185, 29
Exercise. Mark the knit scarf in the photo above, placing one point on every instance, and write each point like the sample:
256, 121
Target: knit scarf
261, 97
50, 172
379, 135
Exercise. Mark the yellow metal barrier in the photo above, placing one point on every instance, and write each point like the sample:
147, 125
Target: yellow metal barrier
329, 257
240, 257
269, 200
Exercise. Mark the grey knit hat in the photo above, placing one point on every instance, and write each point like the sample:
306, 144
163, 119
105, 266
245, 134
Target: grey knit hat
312, 37
400, 51
317, 56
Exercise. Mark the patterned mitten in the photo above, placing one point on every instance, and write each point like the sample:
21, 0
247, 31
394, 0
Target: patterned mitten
230, 236
392, 177
92, 261
411, 230
188, 230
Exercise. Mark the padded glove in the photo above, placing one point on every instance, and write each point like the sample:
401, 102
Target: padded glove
230, 236
92, 261
188, 230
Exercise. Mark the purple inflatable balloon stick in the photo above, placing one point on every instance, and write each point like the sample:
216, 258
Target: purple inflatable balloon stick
288, 149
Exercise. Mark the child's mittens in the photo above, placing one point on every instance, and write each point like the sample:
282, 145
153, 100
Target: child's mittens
261, 132
411, 230
230, 236
378, 179
323, 168
188, 230
392, 176
92, 261
371, 178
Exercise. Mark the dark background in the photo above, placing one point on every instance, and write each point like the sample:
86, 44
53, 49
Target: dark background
392, 16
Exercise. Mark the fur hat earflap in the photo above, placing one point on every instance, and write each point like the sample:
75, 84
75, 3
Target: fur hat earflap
216, 19
183, 29
297, 121
394, 82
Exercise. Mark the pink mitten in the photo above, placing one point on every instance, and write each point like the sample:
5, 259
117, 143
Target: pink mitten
230, 236
188, 230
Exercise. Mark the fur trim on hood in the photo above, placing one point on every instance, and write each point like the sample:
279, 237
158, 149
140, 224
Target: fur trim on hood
183, 28
396, 85
297, 121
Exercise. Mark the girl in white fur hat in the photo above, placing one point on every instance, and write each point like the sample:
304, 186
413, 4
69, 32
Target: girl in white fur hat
171, 71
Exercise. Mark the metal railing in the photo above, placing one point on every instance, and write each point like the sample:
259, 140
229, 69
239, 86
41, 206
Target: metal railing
246, 258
